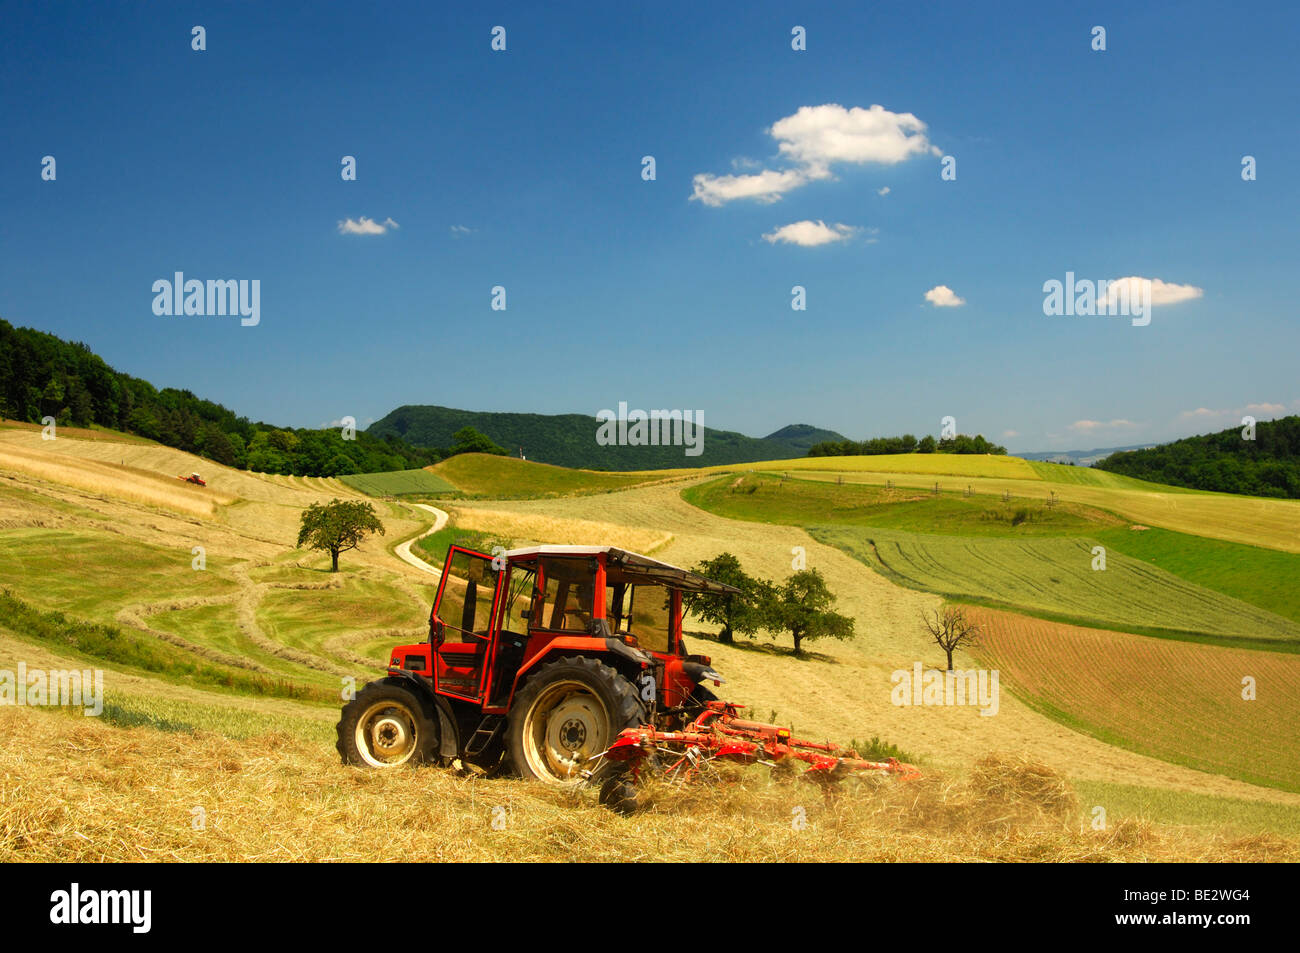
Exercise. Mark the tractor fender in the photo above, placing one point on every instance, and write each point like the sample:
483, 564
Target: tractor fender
448, 737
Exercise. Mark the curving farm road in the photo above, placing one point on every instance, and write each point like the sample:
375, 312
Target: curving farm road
403, 550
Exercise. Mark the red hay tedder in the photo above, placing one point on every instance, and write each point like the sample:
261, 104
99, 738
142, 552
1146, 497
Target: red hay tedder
567, 664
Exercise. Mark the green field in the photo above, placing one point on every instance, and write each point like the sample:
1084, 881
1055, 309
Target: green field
1264, 577
433, 548
484, 476
1088, 476
94, 574
399, 483
1055, 578
765, 498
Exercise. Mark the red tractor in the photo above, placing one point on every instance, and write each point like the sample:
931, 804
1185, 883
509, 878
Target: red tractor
537, 659
566, 664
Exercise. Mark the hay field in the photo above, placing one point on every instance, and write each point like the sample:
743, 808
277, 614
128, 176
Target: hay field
141, 794
123, 787
843, 689
1178, 701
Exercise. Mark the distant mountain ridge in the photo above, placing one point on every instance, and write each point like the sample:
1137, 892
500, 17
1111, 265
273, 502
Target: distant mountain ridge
569, 440
1084, 458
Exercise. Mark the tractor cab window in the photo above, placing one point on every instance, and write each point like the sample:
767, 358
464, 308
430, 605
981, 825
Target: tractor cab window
650, 617
567, 601
465, 604
516, 608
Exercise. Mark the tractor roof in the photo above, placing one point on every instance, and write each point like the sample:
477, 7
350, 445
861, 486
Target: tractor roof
632, 567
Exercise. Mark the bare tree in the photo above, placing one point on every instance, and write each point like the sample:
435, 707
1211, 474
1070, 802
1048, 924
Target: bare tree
951, 629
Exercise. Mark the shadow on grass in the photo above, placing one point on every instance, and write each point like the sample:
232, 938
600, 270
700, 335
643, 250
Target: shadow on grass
761, 648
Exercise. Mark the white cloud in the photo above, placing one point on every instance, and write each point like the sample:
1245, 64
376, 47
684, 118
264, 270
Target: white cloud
810, 234
1162, 292
883, 190
1010, 433
1093, 426
1215, 419
767, 186
941, 296
814, 139
817, 136
461, 230
366, 226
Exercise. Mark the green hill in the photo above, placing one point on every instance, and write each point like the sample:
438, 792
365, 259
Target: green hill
45, 376
569, 440
1226, 462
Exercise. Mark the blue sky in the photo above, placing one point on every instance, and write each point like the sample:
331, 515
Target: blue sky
522, 169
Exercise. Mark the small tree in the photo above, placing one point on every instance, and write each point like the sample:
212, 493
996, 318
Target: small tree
337, 526
735, 613
802, 607
951, 629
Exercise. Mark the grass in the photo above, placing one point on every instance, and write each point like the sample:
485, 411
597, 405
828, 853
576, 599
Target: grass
130, 483
111, 645
1176, 701
1056, 576
121, 787
1263, 577
399, 483
150, 781
1254, 521
1187, 809
433, 548
368, 610
94, 574
93, 432
485, 476
766, 498
1088, 476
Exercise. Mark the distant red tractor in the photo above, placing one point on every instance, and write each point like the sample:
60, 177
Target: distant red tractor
536, 660
193, 478
566, 664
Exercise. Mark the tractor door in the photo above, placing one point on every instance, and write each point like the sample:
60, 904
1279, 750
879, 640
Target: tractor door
461, 626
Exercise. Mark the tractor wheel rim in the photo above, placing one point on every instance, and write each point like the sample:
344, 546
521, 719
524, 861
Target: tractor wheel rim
386, 735
567, 726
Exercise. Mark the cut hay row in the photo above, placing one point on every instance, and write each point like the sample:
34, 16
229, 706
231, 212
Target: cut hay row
246, 617
340, 646
135, 616
134, 793
1178, 701
114, 480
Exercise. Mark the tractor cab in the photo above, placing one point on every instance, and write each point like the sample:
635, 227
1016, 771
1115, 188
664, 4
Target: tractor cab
495, 618
540, 655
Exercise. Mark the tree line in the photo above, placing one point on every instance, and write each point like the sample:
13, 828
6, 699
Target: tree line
904, 444
44, 376
1227, 462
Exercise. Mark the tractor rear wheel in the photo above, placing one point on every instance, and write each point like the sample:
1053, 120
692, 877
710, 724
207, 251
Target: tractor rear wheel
386, 726
568, 712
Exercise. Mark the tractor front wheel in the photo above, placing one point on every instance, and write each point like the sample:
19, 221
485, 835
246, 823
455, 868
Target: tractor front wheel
567, 713
386, 726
